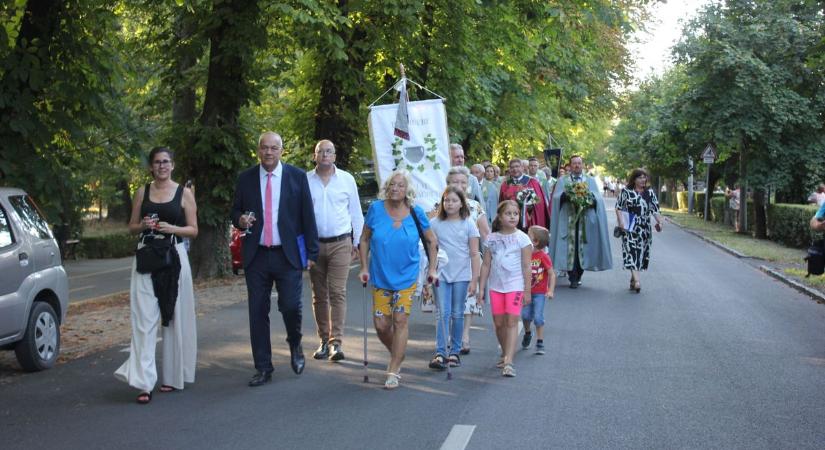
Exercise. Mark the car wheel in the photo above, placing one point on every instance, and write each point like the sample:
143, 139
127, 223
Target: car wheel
41, 344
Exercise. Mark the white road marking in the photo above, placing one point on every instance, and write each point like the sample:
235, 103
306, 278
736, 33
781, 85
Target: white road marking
82, 288
77, 277
458, 438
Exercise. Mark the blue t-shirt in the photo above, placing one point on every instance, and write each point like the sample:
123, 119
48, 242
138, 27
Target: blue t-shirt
394, 251
821, 213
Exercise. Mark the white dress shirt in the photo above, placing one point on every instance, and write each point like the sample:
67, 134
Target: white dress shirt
275, 183
336, 205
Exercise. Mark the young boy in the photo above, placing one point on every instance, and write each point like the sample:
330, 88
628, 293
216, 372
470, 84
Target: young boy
543, 285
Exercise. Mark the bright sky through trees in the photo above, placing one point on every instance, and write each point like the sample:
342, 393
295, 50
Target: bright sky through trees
651, 52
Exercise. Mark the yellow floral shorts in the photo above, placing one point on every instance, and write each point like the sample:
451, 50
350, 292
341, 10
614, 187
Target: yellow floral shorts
385, 302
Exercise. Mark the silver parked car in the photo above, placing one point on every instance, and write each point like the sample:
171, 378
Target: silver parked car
34, 288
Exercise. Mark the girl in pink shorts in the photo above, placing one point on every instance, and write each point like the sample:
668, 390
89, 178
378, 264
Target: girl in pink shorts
506, 268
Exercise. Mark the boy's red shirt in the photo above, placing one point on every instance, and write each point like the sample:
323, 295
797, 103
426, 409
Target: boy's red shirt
540, 265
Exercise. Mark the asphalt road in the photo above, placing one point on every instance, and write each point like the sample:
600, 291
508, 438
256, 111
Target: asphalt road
90, 278
711, 354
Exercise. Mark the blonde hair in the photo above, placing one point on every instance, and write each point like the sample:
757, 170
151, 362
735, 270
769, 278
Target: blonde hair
409, 199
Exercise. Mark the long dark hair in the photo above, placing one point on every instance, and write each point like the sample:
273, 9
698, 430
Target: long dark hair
500, 210
463, 212
636, 173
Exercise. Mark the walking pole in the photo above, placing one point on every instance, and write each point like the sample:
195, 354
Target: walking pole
366, 308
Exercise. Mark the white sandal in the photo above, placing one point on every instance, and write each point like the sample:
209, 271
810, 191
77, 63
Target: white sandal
392, 380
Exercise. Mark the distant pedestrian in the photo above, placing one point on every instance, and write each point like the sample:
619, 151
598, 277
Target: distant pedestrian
733, 203
458, 236
640, 204
390, 260
477, 170
162, 210
340, 221
506, 271
818, 197
489, 192
542, 287
457, 160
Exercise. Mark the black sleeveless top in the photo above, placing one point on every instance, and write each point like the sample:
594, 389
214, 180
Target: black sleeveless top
170, 212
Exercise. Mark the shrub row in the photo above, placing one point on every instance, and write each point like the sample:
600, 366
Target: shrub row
117, 245
788, 224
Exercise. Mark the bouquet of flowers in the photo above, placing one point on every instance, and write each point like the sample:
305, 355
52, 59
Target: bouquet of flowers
526, 198
580, 198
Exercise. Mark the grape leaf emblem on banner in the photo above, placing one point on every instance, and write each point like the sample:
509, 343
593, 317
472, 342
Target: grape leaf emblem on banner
415, 157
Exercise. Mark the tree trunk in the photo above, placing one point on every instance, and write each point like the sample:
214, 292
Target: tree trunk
338, 115
760, 225
218, 147
743, 187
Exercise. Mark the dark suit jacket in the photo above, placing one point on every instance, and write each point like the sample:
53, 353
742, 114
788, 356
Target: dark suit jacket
295, 213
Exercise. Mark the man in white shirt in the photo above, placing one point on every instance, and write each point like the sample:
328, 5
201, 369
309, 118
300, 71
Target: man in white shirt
340, 221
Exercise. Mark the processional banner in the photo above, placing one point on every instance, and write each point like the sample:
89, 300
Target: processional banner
425, 154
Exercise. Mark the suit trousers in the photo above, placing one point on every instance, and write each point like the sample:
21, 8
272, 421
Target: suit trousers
266, 267
328, 278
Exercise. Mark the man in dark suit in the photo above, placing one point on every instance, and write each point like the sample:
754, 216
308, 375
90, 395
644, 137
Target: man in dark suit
283, 241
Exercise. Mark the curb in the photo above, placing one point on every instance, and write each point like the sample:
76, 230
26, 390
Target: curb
811, 292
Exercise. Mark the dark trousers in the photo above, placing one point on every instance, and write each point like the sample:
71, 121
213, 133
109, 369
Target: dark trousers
268, 266
576, 273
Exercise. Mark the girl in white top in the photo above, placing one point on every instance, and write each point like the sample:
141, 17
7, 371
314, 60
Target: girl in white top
458, 236
506, 267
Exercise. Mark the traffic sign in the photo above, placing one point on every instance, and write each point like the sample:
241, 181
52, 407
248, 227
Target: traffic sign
709, 155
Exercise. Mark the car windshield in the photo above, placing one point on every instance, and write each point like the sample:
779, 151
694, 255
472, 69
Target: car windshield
33, 222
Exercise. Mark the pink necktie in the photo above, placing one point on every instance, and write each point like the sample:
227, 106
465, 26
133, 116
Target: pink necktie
268, 212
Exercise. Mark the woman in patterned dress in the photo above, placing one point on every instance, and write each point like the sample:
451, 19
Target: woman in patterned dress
640, 202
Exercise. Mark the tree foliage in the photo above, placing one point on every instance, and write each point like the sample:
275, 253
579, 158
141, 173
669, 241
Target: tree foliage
89, 86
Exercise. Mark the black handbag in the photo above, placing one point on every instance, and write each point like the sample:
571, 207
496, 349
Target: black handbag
816, 258
156, 254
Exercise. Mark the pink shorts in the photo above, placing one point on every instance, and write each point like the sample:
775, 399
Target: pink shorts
506, 303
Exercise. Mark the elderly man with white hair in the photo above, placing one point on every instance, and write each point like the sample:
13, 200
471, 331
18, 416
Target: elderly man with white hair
457, 160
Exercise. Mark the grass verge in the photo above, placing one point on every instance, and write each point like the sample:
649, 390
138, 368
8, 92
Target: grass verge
745, 244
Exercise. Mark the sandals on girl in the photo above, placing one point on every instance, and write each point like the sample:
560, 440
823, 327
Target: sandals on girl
167, 388
508, 371
500, 363
144, 398
454, 361
464, 351
392, 380
438, 363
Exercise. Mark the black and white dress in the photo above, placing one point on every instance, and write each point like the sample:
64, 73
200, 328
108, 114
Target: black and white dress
636, 243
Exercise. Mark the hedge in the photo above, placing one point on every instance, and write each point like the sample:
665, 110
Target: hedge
788, 224
698, 201
717, 207
117, 245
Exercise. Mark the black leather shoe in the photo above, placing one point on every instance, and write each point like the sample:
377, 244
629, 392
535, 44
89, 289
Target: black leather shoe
322, 352
296, 359
574, 284
260, 378
335, 352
